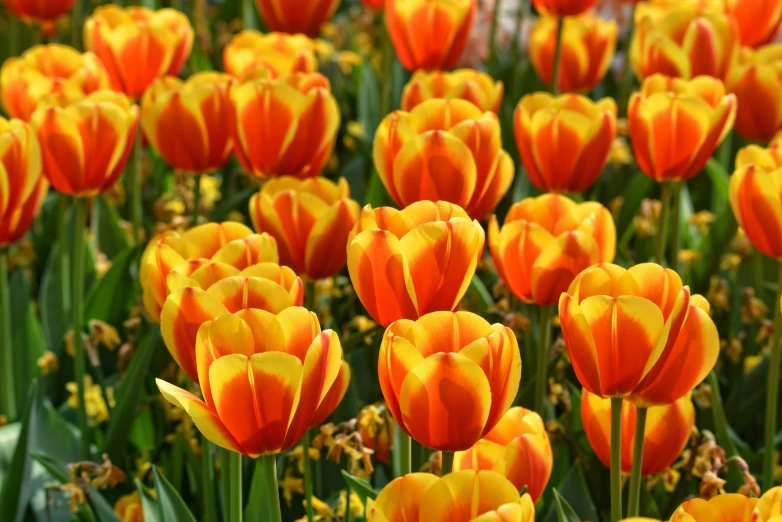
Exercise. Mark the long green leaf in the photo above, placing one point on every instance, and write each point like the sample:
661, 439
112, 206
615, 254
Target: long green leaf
15, 493
362, 488
565, 512
111, 299
28, 340
171, 505
149, 504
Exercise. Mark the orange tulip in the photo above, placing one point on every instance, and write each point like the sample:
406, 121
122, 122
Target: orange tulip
39, 10
445, 150
757, 20
301, 16
546, 242
668, 428
376, 427
128, 508
263, 376
310, 219
186, 121
770, 504
518, 448
476, 87
756, 81
730, 507
564, 141
465, 496
49, 75
85, 146
284, 126
588, 45
280, 54
138, 45
392, 255
675, 125
429, 34
768, 159
561, 8
630, 332
23, 186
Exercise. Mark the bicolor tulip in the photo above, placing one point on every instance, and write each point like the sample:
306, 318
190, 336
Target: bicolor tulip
429, 34
85, 146
303, 16
668, 429
188, 123
333, 397
564, 141
756, 81
476, 87
546, 242
757, 20
518, 448
39, 10
280, 54
630, 332
767, 158
263, 377
310, 219
588, 46
23, 186
562, 8
138, 45
448, 377
446, 150
392, 255
729, 507
285, 126
50, 74
675, 125
128, 508
464, 496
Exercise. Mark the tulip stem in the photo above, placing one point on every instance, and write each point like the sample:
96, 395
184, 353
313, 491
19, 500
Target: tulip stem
673, 255
135, 188
248, 15
234, 476
76, 25
402, 453
5, 331
616, 459
63, 253
633, 502
495, 16
447, 462
772, 392
557, 56
305, 447
207, 479
544, 349
387, 54
225, 486
196, 200
272, 493
662, 222
77, 292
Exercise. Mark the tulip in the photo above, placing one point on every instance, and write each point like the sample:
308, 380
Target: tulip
429, 34
85, 146
310, 219
767, 159
562, 8
588, 45
518, 448
302, 16
446, 150
756, 81
675, 125
757, 20
138, 45
755, 190
280, 54
770, 504
476, 87
564, 141
333, 397
731, 507
49, 75
128, 508
39, 10
284, 126
392, 255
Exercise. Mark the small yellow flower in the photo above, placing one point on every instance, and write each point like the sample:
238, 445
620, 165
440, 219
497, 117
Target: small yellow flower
671, 479
356, 506
175, 207
733, 348
702, 220
347, 60
291, 485
689, 256
719, 294
236, 216
750, 361
210, 191
615, 205
97, 410
77, 496
324, 50
731, 262
357, 130
323, 511
619, 154
104, 334
48, 363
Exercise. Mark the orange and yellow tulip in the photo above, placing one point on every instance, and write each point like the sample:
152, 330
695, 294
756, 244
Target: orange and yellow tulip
138, 45
564, 141
448, 377
476, 87
757, 20
85, 146
187, 122
668, 429
310, 219
333, 397
429, 34
285, 126
675, 125
444, 150
728, 507
546, 242
280, 54
562, 8
518, 448
23, 186
39, 10
588, 46
756, 81
301, 16
128, 508
263, 377
392, 255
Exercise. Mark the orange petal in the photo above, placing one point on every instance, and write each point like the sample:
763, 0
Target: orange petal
334, 396
464, 495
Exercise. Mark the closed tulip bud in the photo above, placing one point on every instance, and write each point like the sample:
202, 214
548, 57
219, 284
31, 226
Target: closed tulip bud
429, 34
756, 81
732, 507
562, 8
392, 255
476, 87
305, 16
49, 75
86, 145
39, 10
138, 45
280, 54
444, 150
564, 141
546, 242
675, 125
757, 20
284, 127
310, 219
668, 429
518, 448
263, 376
187, 122
588, 46
24, 186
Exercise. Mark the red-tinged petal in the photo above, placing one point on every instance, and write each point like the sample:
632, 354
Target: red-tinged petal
527, 461
401, 499
206, 240
462, 496
558, 264
334, 396
324, 255
248, 251
240, 293
754, 197
396, 359
483, 455
580, 343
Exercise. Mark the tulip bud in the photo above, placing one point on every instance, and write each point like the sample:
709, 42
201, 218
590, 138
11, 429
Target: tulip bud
39, 10
280, 54
756, 81
757, 20
562, 8
476, 87
304, 16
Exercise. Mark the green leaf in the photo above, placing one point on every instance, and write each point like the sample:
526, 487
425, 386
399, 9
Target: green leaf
362, 488
719, 183
112, 298
149, 504
575, 489
172, 507
639, 187
110, 237
376, 194
479, 296
28, 340
565, 512
238, 201
15, 492
722, 429
368, 102
55, 467
257, 506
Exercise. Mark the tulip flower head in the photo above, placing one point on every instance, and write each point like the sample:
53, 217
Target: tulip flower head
730, 507
757, 20
301, 16
476, 87
39, 10
444, 150
280, 54
756, 81
393, 254
562, 8
546, 242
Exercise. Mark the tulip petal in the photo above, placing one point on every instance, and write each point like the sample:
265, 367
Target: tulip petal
240, 293
462, 496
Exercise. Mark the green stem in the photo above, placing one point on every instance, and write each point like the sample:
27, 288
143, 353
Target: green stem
662, 223
628, 74
493, 34
76, 24
633, 503
616, 459
77, 292
557, 56
134, 181
9, 379
348, 515
197, 200
447, 462
772, 393
673, 255
248, 15
402, 454
235, 485
63, 252
544, 349
387, 50
225, 485
207, 479
272, 490
306, 443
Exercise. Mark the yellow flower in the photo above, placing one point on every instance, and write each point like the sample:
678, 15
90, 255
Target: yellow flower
104, 334
291, 485
97, 410
347, 60
323, 511
175, 207
357, 130
702, 220
750, 361
48, 363
356, 506
620, 154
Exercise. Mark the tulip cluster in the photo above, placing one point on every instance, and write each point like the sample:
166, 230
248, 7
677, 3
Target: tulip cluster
476, 87
280, 54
